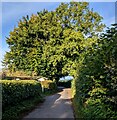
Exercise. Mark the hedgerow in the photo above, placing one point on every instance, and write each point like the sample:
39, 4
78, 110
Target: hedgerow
14, 91
49, 85
65, 83
95, 85
17, 112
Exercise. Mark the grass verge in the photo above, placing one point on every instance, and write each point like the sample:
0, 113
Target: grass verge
18, 111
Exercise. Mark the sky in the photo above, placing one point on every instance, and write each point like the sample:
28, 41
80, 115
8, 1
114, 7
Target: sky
12, 12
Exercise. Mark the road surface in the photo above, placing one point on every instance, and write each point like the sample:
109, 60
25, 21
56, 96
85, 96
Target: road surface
55, 106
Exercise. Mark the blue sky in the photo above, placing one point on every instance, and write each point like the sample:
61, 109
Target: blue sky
13, 11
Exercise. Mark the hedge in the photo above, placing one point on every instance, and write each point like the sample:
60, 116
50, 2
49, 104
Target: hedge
65, 83
14, 91
49, 85
95, 86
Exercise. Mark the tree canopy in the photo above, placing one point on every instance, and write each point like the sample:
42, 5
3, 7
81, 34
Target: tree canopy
50, 42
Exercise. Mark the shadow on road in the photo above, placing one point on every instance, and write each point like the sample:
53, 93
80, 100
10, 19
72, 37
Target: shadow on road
55, 106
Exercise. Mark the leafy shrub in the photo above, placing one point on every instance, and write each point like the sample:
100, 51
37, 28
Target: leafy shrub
17, 112
15, 91
52, 86
96, 81
49, 85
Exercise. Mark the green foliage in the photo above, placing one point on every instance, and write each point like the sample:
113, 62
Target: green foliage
20, 97
53, 86
96, 80
49, 43
18, 111
65, 83
14, 91
49, 85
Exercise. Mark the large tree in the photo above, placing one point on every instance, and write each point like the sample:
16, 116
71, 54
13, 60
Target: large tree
49, 43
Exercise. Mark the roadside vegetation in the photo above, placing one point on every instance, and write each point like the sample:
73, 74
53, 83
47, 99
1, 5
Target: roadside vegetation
67, 41
95, 86
65, 83
21, 96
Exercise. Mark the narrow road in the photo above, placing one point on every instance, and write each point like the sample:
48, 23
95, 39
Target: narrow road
55, 106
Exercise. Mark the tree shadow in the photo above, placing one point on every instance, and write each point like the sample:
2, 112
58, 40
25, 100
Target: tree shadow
55, 106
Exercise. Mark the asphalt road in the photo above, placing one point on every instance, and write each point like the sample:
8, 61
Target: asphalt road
55, 106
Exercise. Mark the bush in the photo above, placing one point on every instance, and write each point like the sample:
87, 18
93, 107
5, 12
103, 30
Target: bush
49, 85
17, 112
96, 81
16, 91
52, 86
